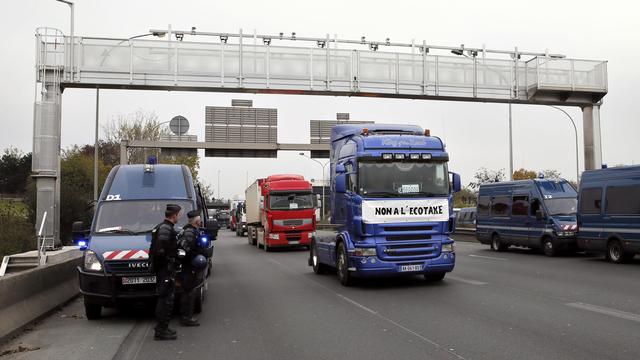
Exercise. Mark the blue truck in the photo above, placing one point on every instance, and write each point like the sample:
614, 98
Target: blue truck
609, 212
115, 266
536, 213
391, 205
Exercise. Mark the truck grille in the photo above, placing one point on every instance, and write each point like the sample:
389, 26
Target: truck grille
292, 222
123, 268
293, 236
403, 251
407, 237
407, 228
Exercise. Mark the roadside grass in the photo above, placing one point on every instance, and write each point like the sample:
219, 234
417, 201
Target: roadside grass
17, 234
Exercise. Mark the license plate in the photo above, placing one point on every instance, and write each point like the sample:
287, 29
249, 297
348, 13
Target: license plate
294, 242
138, 280
404, 268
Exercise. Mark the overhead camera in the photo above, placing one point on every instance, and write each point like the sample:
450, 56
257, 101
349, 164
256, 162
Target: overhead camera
224, 38
266, 41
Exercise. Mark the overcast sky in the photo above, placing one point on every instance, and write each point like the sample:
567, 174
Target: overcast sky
476, 134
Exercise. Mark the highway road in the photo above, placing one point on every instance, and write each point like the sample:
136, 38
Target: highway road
512, 305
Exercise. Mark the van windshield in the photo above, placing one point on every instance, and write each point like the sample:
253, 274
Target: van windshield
561, 206
403, 179
135, 216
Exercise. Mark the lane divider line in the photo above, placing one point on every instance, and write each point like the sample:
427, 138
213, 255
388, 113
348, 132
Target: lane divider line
605, 311
488, 257
466, 281
373, 312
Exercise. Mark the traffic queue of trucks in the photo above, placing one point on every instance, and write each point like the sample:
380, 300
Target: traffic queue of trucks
391, 214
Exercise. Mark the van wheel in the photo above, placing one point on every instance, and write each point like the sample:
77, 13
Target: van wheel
92, 311
616, 254
497, 245
318, 267
345, 277
548, 247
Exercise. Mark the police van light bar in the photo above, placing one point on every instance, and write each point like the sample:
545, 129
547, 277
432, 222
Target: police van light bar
387, 156
426, 156
148, 168
414, 156
82, 244
399, 156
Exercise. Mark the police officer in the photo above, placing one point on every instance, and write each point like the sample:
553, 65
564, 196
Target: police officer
164, 255
192, 267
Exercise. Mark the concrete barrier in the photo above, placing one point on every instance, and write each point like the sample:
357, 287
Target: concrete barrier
31, 294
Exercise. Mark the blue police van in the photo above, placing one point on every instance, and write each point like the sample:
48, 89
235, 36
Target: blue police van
537, 213
609, 212
115, 267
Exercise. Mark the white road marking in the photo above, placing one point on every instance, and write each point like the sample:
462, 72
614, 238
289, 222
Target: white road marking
606, 311
488, 257
466, 281
373, 312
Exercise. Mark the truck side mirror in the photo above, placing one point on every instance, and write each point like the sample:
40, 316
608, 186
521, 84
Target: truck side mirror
77, 230
457, 186
341, 186
211, 229
539, 215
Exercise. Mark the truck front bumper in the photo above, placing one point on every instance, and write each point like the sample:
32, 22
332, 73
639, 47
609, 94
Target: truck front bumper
290, 239
107, 289
372, 266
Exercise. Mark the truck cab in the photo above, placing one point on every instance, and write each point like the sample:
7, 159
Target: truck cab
115, 268
280, 211
391, 204
536, 213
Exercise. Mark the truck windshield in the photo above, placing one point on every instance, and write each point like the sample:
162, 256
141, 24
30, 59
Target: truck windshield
403, 179
561, 206
135, 216
290, 201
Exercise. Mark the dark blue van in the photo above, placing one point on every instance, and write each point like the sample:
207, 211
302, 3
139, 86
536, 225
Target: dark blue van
609, 212
115, 266
538, 214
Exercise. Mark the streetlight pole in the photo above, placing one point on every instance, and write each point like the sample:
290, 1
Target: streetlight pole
323, 180
575, 129
510, 145
71, 39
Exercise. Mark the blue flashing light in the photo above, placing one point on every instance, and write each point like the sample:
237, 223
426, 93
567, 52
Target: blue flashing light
152, 160
540, 175
82, 244
204, 241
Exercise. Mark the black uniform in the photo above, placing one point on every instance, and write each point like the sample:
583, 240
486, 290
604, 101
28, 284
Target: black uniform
191, 277
164, 255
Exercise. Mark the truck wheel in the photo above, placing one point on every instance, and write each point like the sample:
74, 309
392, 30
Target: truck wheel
497, 245
92, 311
318, 267
616, 254
433, 277
345, 277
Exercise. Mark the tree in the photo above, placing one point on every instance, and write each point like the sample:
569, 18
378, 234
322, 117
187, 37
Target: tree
139, 125
524, 174
464, 198
484, 175
15, 169
552, 174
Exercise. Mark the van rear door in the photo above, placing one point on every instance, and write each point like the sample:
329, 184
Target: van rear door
520, 221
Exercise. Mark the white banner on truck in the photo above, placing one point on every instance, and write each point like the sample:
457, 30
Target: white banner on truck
407, 210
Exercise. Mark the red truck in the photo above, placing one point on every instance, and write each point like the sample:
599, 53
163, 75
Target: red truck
280, 212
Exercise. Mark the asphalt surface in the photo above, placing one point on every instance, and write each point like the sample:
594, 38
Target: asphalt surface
512, 305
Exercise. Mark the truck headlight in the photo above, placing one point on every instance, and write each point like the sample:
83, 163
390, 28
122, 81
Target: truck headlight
91, 261
451, 247
365, 252
274, 236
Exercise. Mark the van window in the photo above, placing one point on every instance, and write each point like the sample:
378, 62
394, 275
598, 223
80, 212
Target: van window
590, 200
520, 205
483, 205
500, 206
623, 200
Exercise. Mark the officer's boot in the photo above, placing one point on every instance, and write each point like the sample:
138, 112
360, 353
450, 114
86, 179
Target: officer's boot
164, 334
186, 309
